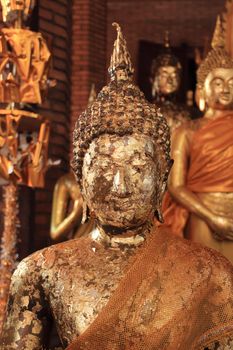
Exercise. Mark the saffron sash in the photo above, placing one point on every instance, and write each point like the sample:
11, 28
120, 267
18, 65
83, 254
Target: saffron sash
211, 168
171, 298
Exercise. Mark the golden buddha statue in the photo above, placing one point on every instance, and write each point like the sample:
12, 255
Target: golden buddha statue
201, 181
129, 284
67, 223
68, 219
165, 79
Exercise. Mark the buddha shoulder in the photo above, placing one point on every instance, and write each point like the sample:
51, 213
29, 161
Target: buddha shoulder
184, 133
37, 264
209, 265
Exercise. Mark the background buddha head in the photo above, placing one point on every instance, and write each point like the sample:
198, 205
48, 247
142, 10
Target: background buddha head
121, 150
215, 75
165, 72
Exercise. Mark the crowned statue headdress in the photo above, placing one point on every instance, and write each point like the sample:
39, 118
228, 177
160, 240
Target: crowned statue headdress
217, 56
120, 109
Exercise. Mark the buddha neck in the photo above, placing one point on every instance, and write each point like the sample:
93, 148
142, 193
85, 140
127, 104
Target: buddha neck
162, 99
213, 114
118, 238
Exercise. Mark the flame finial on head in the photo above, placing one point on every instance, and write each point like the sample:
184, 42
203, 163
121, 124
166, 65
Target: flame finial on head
218, 40
120, 65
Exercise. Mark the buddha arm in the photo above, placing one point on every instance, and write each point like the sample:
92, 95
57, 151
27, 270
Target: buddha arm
61, 224
27, 312
222, 226
177, 179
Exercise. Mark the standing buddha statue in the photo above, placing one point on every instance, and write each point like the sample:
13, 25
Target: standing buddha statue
201, 181
165, 79
129, 284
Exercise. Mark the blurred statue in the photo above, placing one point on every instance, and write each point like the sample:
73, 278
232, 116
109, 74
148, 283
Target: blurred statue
129, 284
201, 180
165, 78
68, 219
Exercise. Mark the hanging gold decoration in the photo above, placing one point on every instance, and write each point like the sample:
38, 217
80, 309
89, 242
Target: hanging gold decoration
24, 138
11, 9
24, 64
24, 135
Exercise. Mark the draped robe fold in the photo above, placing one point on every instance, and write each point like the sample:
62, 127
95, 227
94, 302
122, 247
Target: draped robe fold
177, 295
211, 168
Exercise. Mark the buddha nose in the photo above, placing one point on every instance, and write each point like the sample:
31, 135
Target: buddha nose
226, 88
121, 183
170, 79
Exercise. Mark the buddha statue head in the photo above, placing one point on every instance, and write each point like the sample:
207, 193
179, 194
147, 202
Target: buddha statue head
165, 72
215, 75
12, 8
121, 150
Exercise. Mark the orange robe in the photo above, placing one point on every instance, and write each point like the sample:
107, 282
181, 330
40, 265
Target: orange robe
177, 295
211, 168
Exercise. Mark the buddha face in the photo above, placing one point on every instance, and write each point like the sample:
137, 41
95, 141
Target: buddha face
167, 80
218, 89
119, 179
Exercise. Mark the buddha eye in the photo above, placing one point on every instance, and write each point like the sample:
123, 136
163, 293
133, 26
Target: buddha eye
230, 83
173, 76
217, 82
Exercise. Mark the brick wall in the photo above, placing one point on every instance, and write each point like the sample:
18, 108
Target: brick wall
54, 22
88, 51
190, 21
77, 63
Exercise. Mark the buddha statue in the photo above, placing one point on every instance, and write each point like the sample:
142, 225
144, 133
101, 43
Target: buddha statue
129, 284
201, 182
68, 219
165, 79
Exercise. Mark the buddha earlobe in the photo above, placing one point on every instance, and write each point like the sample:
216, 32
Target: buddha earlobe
158, 211
202, 104
200, 98
159, 215
84, 216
